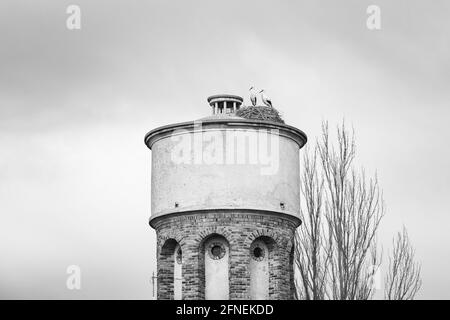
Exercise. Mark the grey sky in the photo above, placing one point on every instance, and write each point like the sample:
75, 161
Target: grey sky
75, 105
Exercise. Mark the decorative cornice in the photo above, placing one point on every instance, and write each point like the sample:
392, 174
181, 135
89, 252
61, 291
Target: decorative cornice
284, 130
231, 211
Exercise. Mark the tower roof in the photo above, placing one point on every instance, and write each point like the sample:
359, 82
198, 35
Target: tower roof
224, 97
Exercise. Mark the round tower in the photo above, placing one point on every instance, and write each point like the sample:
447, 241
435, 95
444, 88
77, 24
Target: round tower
225, 203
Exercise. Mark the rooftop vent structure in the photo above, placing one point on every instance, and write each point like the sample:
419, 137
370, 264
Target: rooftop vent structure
224, 103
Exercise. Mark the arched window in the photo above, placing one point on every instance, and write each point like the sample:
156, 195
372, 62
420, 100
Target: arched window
216, 253
260, 256
178, 276
169, 271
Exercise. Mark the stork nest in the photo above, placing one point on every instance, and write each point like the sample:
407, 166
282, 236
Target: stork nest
260, 113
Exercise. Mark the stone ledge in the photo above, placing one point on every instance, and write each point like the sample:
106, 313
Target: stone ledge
208, 212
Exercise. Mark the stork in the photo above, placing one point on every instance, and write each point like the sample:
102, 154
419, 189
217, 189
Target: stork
265, 99
253, 96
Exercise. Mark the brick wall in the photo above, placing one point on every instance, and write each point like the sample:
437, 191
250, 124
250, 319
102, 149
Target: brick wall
240, 229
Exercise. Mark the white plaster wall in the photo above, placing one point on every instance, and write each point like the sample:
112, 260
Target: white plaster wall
259, 274
177, 276
216, 273
207, 183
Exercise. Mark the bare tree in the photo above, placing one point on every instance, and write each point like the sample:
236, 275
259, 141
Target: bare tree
403, 279
337, 254
311, 260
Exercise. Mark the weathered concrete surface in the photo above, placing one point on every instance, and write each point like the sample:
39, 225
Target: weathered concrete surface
225, 165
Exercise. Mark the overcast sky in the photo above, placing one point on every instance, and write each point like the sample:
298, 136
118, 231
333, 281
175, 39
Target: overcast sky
75, 105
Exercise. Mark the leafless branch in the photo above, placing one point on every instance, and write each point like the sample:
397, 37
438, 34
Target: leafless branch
403, 279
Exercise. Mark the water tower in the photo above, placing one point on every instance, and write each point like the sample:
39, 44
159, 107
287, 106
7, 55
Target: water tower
225, 203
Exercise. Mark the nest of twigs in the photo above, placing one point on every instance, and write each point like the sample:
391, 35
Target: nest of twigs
260, 113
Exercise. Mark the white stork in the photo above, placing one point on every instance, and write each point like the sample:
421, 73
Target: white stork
265, 99
253, 96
